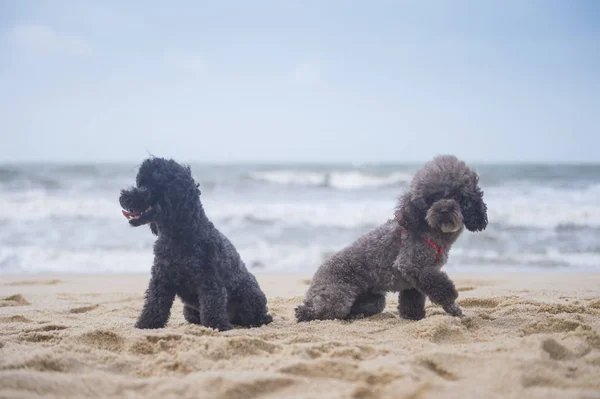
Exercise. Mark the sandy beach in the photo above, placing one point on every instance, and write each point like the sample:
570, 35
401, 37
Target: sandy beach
524, 336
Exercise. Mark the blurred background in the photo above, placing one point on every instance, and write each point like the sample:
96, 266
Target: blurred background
302, 121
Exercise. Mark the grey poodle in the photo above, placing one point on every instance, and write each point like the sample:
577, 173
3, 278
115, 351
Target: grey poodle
192, 259
405, 254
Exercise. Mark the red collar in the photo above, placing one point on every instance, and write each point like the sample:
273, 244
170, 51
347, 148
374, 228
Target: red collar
433, 245
429, 242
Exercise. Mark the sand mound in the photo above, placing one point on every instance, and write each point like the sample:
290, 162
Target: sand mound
14, 300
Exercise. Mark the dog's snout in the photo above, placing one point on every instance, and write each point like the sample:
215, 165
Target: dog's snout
134, 198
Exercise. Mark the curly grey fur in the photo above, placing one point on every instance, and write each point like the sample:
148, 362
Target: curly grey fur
444, 196
192, 259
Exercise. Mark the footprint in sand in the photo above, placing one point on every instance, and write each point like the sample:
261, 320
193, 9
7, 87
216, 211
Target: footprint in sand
338, 370
437, 368
550, 325
595, 304
48, 333
152, 344
41, 337
560, 375
14, 300
55, 362
102, 339
257, 388
49, 327
323, 369
25, 283
15, 319
84, 309
240, 347
338, 350
557, 351
486, 303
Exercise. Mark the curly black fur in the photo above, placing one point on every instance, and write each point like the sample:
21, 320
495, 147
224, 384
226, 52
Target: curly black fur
444, 196
192, 259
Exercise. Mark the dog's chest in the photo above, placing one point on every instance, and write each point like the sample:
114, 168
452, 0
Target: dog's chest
186, 286
396, 283
183, 275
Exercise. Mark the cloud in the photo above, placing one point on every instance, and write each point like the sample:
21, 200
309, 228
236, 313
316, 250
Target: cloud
307, 72
42, 40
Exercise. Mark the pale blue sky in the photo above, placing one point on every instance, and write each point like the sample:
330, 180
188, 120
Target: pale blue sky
324, 81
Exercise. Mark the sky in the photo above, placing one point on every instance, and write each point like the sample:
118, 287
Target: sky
305, 81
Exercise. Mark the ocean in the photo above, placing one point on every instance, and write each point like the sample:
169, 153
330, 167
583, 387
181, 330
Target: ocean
289, 218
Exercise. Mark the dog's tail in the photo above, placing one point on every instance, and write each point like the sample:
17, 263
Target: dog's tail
266, 319
304, 313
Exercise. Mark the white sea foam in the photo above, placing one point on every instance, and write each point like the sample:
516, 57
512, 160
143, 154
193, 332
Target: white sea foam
549, 258
541, 209
36, 205
358, 180
35, 259
290, 178
544, 207
332, 214
352, 180
262, 256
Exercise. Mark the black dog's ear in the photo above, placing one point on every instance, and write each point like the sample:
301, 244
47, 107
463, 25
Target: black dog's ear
154, 228
474, 211
159, 178
411, 211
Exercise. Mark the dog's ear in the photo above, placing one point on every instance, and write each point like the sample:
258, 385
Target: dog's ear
154, 228
411, 211
474, 211
159, 178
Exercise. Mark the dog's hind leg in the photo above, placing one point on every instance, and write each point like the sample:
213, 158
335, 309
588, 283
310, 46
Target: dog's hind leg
212, 298
368, 304
333, 301
191, 315
248, 305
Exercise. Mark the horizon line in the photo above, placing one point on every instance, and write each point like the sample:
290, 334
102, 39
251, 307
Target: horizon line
300, 163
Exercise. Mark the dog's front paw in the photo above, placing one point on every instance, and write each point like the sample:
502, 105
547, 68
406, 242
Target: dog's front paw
149, 324
147, 321
303, 313
453, 309
221, 327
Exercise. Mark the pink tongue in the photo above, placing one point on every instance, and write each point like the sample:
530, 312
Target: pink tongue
128, 214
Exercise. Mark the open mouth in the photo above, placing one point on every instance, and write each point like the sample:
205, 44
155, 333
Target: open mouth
449, 227
135, 216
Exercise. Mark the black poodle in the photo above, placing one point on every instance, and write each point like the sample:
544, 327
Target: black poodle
192, 259
405, 254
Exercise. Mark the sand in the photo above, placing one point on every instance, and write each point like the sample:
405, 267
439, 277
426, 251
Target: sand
524, 336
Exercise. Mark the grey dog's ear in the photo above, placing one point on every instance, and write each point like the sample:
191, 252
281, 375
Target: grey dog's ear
474, 211
411, 211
